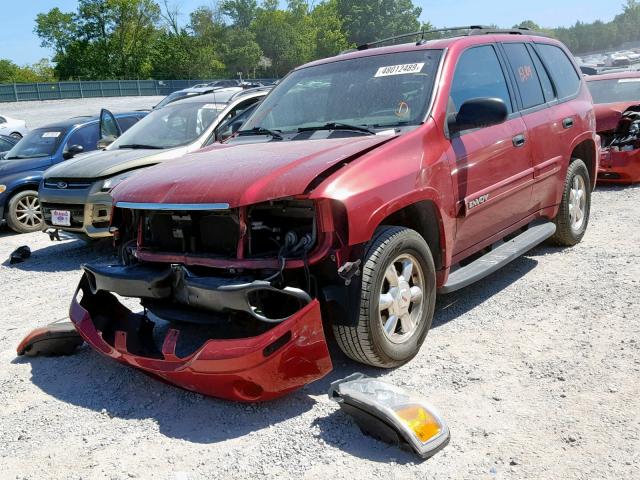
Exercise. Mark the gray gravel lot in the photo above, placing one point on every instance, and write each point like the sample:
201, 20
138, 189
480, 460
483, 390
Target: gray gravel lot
38, 114
535, 368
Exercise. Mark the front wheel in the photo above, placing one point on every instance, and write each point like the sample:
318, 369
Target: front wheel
16, 135
573, 215
397, 300
24, 214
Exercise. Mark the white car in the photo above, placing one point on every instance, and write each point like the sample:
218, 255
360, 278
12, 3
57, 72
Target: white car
13, 127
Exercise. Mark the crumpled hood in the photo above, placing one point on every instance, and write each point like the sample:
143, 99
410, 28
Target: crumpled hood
609, 114
9, 167
105, 163
242, 174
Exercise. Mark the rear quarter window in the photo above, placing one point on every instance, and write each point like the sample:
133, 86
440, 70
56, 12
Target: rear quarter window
562, 72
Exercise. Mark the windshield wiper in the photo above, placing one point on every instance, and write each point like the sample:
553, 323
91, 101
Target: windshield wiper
140, 146
261, 131
339, 126
23, 157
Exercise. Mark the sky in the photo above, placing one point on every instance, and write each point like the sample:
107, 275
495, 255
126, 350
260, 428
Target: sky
19, 44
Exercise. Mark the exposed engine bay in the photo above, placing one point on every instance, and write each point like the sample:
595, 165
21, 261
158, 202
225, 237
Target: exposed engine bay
626, 136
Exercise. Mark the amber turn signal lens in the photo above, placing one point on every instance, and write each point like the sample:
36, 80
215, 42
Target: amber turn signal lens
421, 422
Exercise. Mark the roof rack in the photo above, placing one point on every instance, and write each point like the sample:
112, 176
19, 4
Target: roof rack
250, 90
470, 30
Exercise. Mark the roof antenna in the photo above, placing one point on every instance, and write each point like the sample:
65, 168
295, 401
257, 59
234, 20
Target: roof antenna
422, 41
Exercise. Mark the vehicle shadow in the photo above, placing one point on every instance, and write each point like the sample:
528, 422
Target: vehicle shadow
65, 256
93, 382
90, 381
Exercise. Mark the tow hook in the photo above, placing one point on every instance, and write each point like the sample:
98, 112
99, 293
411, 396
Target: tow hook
349, 270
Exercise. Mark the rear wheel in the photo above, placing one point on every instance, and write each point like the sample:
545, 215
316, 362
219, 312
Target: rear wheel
573, 216
17, 135
397, 300
24, 214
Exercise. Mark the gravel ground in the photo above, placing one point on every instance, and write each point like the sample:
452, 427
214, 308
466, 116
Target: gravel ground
535, 368
38, 114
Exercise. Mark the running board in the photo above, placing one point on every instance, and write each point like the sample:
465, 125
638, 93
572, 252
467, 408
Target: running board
498, 257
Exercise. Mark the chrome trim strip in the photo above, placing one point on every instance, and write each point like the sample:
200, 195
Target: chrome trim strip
173, 206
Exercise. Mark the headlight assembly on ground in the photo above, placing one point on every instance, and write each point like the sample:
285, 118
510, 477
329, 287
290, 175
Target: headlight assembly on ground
391, 414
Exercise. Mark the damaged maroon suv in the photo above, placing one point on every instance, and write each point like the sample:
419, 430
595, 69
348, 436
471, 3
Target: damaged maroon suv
359, 188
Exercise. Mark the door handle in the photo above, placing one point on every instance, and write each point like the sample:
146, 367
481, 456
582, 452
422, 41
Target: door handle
568, 122
519, 140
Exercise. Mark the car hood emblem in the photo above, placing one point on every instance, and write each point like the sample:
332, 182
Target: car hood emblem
62, 185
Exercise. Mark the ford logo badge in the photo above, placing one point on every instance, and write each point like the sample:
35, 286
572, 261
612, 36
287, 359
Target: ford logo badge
62, 185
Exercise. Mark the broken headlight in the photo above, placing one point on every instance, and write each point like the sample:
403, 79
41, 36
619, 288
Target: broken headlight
391, 414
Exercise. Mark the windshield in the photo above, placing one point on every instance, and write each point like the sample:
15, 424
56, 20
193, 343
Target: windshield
171, 126
42, 142
614, 91
375, 91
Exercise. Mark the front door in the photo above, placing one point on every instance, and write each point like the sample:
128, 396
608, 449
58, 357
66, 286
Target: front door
492, 166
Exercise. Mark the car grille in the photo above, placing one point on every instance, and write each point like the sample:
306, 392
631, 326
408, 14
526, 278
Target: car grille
67, 184
210, 233
77, 213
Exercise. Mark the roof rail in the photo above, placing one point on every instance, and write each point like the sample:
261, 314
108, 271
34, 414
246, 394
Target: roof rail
250, 90
470, 30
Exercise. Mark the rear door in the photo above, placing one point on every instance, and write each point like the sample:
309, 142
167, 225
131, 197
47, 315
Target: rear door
535, 98
565, 123
491, 167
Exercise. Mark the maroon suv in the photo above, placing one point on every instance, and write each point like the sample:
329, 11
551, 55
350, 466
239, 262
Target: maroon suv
361, 186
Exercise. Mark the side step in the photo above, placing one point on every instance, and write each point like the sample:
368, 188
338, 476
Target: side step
498, 257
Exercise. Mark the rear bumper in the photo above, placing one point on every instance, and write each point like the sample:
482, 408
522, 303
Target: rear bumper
619, 166
286, 357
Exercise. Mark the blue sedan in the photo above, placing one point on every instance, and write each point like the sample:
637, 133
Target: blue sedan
22, 167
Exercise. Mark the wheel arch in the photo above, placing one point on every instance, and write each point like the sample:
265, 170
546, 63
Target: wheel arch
21, 187
424, 217
588, 153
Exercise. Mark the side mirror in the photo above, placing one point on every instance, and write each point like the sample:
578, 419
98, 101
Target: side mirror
73, 151
478, 113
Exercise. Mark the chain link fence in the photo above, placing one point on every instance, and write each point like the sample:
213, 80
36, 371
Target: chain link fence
20, 92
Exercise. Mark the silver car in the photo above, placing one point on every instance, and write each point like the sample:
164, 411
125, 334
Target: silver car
75, 195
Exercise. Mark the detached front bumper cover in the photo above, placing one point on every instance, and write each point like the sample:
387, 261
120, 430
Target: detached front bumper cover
288, 356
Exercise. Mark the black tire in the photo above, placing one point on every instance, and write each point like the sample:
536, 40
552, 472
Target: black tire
15, 211
16, 135
567, 234
365, 341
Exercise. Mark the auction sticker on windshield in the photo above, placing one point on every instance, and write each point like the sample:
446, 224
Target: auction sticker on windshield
399, 69
50, 134
61, 218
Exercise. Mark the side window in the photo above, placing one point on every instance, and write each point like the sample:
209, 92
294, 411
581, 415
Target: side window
478, 74
126, 123
545, 80
525, 74
86, 136
5, 145
564, 76
3, 120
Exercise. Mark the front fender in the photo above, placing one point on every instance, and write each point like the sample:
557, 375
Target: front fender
18, 181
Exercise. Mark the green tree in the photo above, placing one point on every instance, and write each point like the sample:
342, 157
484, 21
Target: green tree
241, 12
330, 38
376, 19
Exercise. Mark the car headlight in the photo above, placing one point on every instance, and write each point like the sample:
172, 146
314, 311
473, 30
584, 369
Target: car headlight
3, 188
391, 414
110, 183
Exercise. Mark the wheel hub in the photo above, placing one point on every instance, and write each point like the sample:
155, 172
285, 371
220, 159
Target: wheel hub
577, 203
28, 211
400, 301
